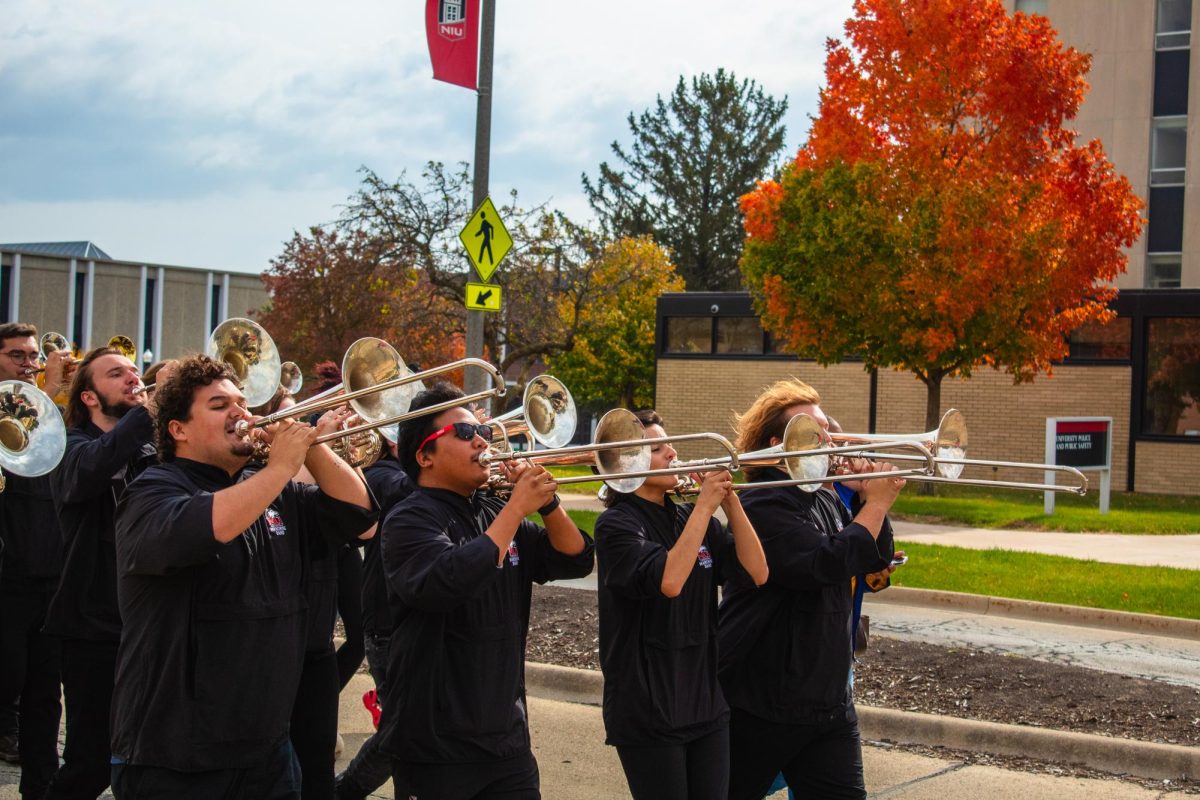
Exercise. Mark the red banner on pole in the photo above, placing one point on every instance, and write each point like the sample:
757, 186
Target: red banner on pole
452, 30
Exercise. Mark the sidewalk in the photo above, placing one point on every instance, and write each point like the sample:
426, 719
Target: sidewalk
1181, 551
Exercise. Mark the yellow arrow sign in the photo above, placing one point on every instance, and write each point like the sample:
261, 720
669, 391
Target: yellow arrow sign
483, 296
486, 239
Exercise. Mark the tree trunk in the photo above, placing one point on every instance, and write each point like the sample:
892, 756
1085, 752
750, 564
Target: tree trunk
933, 414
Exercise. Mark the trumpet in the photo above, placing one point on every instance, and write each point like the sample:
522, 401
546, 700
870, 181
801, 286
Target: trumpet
49, 343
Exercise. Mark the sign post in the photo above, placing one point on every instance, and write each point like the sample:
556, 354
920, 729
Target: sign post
1084, 443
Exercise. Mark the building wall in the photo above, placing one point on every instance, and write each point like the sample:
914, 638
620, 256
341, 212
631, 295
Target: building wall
1004, 422
115, 296
43, 299
185, 326
246, 294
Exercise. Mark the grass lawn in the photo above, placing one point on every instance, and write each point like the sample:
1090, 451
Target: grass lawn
981, 507
1051, 579
1030, 576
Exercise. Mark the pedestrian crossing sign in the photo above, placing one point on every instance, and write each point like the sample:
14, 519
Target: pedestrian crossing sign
483, 297
485, 239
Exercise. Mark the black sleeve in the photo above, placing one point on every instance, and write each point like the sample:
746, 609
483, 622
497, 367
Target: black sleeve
801, 556
335, 521
724, 552
633, 565
886, 543
163, 526
427, 570
89, 464
389, 486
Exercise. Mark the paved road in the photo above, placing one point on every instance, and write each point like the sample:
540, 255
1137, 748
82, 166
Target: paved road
576, 765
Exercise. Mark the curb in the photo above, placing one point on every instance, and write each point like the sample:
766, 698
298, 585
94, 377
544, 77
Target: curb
1114, 756
1129, 622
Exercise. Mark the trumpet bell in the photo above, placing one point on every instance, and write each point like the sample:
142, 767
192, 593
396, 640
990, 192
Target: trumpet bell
33, 437
52, 341
290, 377
371, 362
124, 345
621, 425
250, 351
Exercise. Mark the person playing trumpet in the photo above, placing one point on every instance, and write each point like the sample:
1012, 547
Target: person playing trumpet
660, 564
210, 567
785, 649
459, 566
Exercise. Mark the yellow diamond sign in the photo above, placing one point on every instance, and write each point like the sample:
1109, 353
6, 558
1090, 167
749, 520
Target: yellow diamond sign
483, 296
486, 239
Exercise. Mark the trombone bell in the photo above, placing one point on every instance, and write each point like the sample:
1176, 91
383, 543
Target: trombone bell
251, 353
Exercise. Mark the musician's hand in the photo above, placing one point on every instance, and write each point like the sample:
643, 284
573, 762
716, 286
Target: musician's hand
333, 420
715, 486
290, 441
533, 488
851, 465
883, 491
59, 366
481, 414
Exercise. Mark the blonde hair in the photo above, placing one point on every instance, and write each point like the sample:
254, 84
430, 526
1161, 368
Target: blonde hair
764, 418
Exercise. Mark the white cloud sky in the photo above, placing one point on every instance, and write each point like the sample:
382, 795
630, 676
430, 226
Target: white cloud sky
205, 133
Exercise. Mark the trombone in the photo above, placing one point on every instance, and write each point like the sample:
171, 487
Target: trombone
547, 414
33, 436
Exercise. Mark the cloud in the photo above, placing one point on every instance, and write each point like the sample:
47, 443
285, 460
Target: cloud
202, 106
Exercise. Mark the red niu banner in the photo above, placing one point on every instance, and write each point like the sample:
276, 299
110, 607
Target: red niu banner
452, 30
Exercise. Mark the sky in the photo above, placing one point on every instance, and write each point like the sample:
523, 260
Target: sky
206, 133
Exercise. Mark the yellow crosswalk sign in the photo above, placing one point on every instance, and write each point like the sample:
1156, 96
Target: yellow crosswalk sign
483, 296
485, 239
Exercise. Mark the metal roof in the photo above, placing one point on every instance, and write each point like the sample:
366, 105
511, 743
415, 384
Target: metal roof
67, 249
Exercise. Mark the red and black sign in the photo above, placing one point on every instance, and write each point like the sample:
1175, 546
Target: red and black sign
1081, 444
452, 31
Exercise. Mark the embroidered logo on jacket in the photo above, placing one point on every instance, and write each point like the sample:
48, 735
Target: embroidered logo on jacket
514, 557
275, 522
704, 557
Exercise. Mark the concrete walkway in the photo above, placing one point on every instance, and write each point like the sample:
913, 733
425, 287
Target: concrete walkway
1182, 551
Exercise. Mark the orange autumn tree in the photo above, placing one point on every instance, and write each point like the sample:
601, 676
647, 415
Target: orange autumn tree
941, 216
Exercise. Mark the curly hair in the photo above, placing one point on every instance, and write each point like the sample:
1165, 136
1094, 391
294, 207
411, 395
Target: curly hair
77, 414
414, 431
764, 419
174, 398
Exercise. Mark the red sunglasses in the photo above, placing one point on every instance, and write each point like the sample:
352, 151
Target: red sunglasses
463, 430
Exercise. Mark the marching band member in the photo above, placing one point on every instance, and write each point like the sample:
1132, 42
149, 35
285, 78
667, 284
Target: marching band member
660, 564
459, 566
785, 649
209, 582
29, 573
110, 441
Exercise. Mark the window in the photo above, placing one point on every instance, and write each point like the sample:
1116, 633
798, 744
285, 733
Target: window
689, 334
148, 330
1172, 390
1173, 27
1166, 220
1111, 342
1164, 271
1168, 151
5, 290
739, 335
775, 345
1031, 7
215, 316
80, 302
1171, 82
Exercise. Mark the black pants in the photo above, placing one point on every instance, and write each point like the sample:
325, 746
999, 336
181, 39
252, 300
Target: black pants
818, 761
370, 768
697, 770
87, 676
512, 779
314, 724
29, 668
277, 778
349, 606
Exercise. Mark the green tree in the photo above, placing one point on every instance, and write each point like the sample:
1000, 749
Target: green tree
693, 155
611, 313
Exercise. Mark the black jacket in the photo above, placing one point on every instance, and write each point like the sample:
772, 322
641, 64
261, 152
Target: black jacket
88, 483
29, 530
214, 634
390, 484
786, 647
658, 654
458, 646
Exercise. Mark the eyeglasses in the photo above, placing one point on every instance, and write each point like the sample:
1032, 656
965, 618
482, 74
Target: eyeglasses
463, 430
22, 357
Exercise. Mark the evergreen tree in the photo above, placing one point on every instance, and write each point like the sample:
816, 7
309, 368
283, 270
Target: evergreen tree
693, 155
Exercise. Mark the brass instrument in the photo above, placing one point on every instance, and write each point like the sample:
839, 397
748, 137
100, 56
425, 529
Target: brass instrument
33, 437
290, 377
547, 414
125, 346
251, 353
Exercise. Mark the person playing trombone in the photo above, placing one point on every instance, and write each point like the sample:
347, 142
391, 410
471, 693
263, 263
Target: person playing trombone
660, 563
785, 649
459, 565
